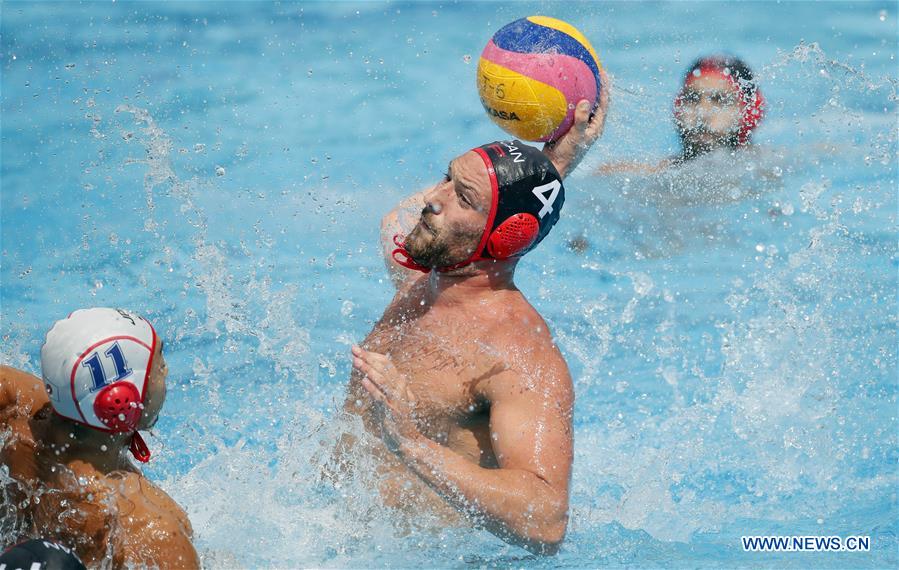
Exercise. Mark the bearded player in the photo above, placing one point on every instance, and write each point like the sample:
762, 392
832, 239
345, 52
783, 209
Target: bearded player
461, 378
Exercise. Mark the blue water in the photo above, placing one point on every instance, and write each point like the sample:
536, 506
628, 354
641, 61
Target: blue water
731, 327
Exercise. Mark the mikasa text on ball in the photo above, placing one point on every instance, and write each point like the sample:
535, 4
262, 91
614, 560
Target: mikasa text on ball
532, 74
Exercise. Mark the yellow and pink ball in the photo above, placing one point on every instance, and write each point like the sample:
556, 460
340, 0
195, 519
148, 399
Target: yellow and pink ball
532, 74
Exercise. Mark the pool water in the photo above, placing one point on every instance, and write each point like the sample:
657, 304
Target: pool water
730, 325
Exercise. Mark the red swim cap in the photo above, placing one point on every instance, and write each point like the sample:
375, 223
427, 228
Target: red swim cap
740, 76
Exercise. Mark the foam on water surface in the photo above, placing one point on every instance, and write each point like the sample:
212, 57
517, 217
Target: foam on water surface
730, 325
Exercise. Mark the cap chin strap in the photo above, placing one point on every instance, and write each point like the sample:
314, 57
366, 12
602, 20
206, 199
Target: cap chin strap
139, 448
402, 256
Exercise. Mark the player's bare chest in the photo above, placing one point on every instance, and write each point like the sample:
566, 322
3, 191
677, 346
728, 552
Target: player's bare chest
442, 358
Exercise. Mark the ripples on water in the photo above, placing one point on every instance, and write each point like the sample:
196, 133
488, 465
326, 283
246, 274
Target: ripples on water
730, 324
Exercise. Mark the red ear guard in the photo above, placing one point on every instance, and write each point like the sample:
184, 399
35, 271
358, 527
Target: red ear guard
513, 236
119, 407
753, 112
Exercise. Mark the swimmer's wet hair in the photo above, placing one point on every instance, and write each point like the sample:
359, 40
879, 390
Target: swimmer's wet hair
738, 68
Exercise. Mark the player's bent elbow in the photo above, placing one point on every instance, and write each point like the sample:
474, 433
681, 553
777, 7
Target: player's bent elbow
546, 538
544, 543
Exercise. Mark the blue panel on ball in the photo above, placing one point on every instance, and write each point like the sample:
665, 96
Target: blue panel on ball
524, 36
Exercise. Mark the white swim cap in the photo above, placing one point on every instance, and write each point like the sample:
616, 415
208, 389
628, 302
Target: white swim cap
95, 365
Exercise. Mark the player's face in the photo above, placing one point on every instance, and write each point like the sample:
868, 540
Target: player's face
708, 116
155, 396
452, 222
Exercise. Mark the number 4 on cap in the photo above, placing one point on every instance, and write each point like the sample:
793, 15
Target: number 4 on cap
551, 188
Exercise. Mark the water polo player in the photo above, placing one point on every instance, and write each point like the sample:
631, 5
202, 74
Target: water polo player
718, 107
68, 436
566, 153
474, 402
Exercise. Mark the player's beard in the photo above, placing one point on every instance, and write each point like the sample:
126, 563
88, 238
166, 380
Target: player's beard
699, 140
442, 247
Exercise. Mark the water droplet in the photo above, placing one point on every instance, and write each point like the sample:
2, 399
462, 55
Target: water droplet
466, 58
882, 15
219, 170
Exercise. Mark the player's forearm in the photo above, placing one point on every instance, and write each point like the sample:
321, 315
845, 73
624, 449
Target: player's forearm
517, 505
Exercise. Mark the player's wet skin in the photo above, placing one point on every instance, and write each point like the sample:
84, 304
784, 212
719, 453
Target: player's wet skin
461, 379
74, 484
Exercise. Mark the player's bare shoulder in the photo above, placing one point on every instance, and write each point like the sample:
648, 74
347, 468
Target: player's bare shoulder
146, 498
524, 337
154, 526
521, 325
